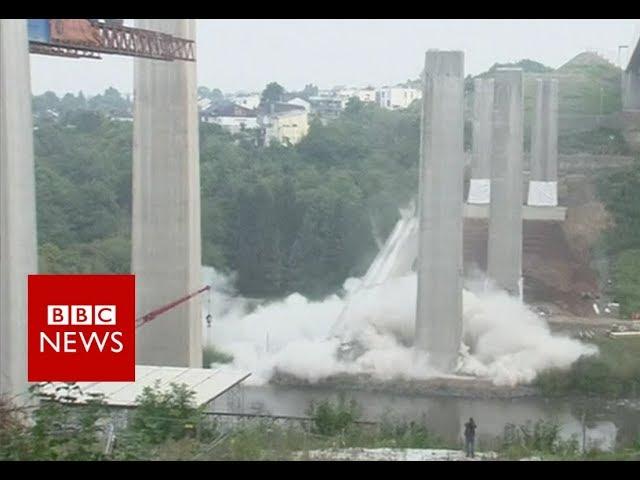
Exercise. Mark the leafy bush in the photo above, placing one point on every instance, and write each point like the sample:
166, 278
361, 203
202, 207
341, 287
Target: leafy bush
615, 372
162, 415
333, 418
56, 431
539, 438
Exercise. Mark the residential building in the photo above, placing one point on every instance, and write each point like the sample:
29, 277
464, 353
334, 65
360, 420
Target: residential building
301, 102
203, 103
232, 117
395, 98
367, 94
121, 116
284, 123
327, 106
246, 100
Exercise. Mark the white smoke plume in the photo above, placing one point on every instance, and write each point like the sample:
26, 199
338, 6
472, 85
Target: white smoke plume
503, 340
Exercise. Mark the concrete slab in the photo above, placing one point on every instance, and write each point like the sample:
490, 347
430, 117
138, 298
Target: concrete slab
529, 212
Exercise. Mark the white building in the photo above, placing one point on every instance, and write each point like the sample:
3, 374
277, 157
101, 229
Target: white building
286, 127
367, 95
203, 103
301, 102
233, 118
363, 94
328, 106
394, 98
246, 100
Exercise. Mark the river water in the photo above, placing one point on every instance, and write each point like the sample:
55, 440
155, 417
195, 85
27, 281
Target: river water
607, 423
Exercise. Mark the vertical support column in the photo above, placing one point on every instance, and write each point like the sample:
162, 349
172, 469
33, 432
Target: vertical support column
504, 263
439, 299
543, 184
166, 204
631, 90
18, 247
480, 184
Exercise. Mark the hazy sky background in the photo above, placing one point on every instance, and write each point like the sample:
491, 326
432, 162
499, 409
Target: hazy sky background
236, 55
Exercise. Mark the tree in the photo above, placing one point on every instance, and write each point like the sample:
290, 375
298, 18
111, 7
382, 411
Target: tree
272, 93
161, 415
216, 95
310, 90
354, 106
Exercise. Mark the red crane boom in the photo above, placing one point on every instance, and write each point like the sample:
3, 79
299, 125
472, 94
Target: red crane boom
159, 311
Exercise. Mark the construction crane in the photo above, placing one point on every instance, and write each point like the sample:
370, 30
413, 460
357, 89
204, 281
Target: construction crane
165, 308
84, 38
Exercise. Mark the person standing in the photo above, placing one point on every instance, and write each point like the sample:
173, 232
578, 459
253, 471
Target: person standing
470, 437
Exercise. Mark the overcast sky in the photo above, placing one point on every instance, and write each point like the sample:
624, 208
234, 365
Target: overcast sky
244, 55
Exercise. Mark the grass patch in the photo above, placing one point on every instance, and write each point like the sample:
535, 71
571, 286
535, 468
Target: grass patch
536, 439
615, 372
626, 277
599, 141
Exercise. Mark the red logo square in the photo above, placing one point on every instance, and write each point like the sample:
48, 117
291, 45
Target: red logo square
81, 328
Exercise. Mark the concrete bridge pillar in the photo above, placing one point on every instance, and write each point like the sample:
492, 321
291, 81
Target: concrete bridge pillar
440, 210
166, 203
480, 184
631, 90
543, 183
504, 263
18, 246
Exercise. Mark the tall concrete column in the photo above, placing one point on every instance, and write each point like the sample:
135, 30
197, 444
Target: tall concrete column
18, 248
439, 299
543, 183
166, 203
504, 262
631, 90
480, 184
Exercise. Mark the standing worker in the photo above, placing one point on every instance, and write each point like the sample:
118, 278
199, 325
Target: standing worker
469, 437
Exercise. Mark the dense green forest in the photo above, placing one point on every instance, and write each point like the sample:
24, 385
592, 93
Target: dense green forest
620, 192
285, 218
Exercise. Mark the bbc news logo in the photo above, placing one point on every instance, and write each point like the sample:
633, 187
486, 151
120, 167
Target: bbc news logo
81, 315
81, 328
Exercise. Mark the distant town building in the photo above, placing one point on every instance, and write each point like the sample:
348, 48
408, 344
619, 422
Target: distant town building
48, 114
233, 118
395, 98
247, 100
300, 102
121, 116
327, 106
284, 123
367, 95
203, 103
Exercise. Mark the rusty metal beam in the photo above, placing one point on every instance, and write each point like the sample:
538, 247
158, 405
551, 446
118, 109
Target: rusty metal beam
53, 50
121, 40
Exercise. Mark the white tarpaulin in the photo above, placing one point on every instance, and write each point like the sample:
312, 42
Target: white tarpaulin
479, 191
543, 194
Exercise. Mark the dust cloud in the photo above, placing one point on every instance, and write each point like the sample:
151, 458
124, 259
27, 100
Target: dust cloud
503, 340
